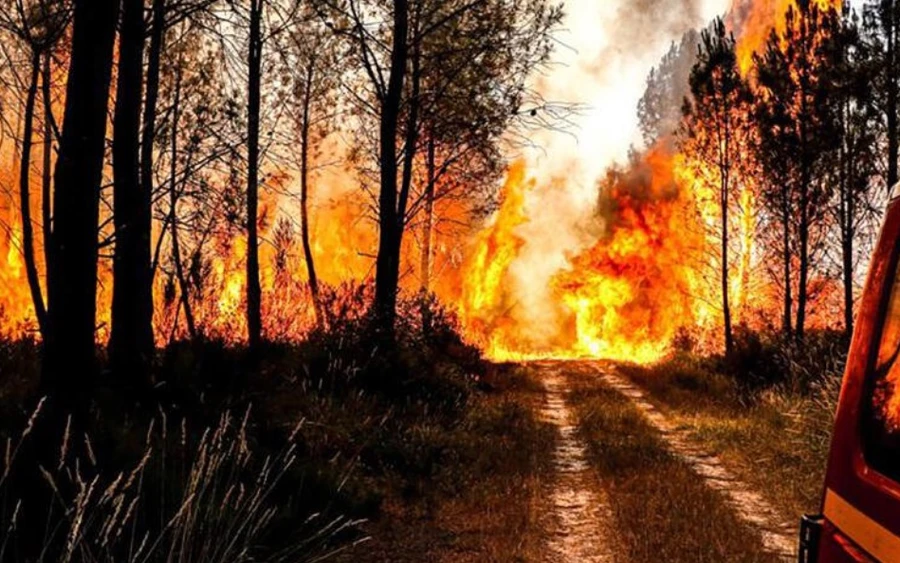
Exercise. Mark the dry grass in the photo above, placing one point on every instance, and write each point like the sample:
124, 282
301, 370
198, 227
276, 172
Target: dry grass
483, 503
225, 508
661, 509
777, 440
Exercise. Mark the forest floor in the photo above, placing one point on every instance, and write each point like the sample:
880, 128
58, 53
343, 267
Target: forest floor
631, 466
578, 461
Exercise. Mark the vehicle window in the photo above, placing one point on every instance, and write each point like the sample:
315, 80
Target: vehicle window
881, 424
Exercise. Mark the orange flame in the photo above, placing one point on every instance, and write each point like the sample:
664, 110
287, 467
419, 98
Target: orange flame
752, 21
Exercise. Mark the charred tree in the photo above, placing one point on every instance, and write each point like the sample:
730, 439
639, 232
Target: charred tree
305, 124
787, 321
798, 138
254, 291
68, 370
183, 285
804, 188
428, 225
46, 172
34, 283
387, 273
858, 127
151, 98
715, 136
131, 339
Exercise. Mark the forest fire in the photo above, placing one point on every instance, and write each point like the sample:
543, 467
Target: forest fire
753, 20
411, 250
640, 278
633, 290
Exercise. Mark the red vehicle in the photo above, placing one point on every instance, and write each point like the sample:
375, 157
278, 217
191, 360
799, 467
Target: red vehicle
860, 519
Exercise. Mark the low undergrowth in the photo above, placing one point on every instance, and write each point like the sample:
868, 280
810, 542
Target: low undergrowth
767, 410
343, 438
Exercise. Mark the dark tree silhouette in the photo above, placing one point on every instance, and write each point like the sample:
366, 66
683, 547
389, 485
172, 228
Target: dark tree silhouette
68, 370
797, 133
254, 80
387, 274
131, 339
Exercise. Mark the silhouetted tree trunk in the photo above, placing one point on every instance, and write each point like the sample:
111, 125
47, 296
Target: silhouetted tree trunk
846, 218
304, 198
723, 202
151, 98
69, 361
183, 287
787, 318
254, 292
889, 25
427, 235
387, 267
46, 174
131, 340
714, 134
803, 229
428, 225
34, 283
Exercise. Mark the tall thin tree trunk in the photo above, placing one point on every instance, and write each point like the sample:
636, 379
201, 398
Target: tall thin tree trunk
427, 236
891, 78
183, 287
68, 370
726, 308
254, 291
411, 142
724, 197
847, 256
805, 180
304, 199
131, 339
786, 322
387, 267
151, 98
803, 275
34, 283
428, 225
845, 218
46, 172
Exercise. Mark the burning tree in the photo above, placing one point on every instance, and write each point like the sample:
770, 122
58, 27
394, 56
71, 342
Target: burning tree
37, 28
413, 90
797, 137
717, 138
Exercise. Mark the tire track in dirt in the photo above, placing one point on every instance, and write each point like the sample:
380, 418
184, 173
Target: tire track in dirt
580, 529
778, 537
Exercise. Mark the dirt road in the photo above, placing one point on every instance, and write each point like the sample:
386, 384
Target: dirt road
631, 486
607, 476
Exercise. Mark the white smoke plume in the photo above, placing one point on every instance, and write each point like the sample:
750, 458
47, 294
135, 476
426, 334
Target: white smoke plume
607, 49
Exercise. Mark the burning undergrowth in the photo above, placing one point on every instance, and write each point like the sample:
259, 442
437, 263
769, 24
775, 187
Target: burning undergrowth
635, 288
625, 295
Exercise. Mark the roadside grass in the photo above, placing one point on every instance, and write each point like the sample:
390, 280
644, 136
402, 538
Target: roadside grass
479, 500
776, 438
427, 449
662, 510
